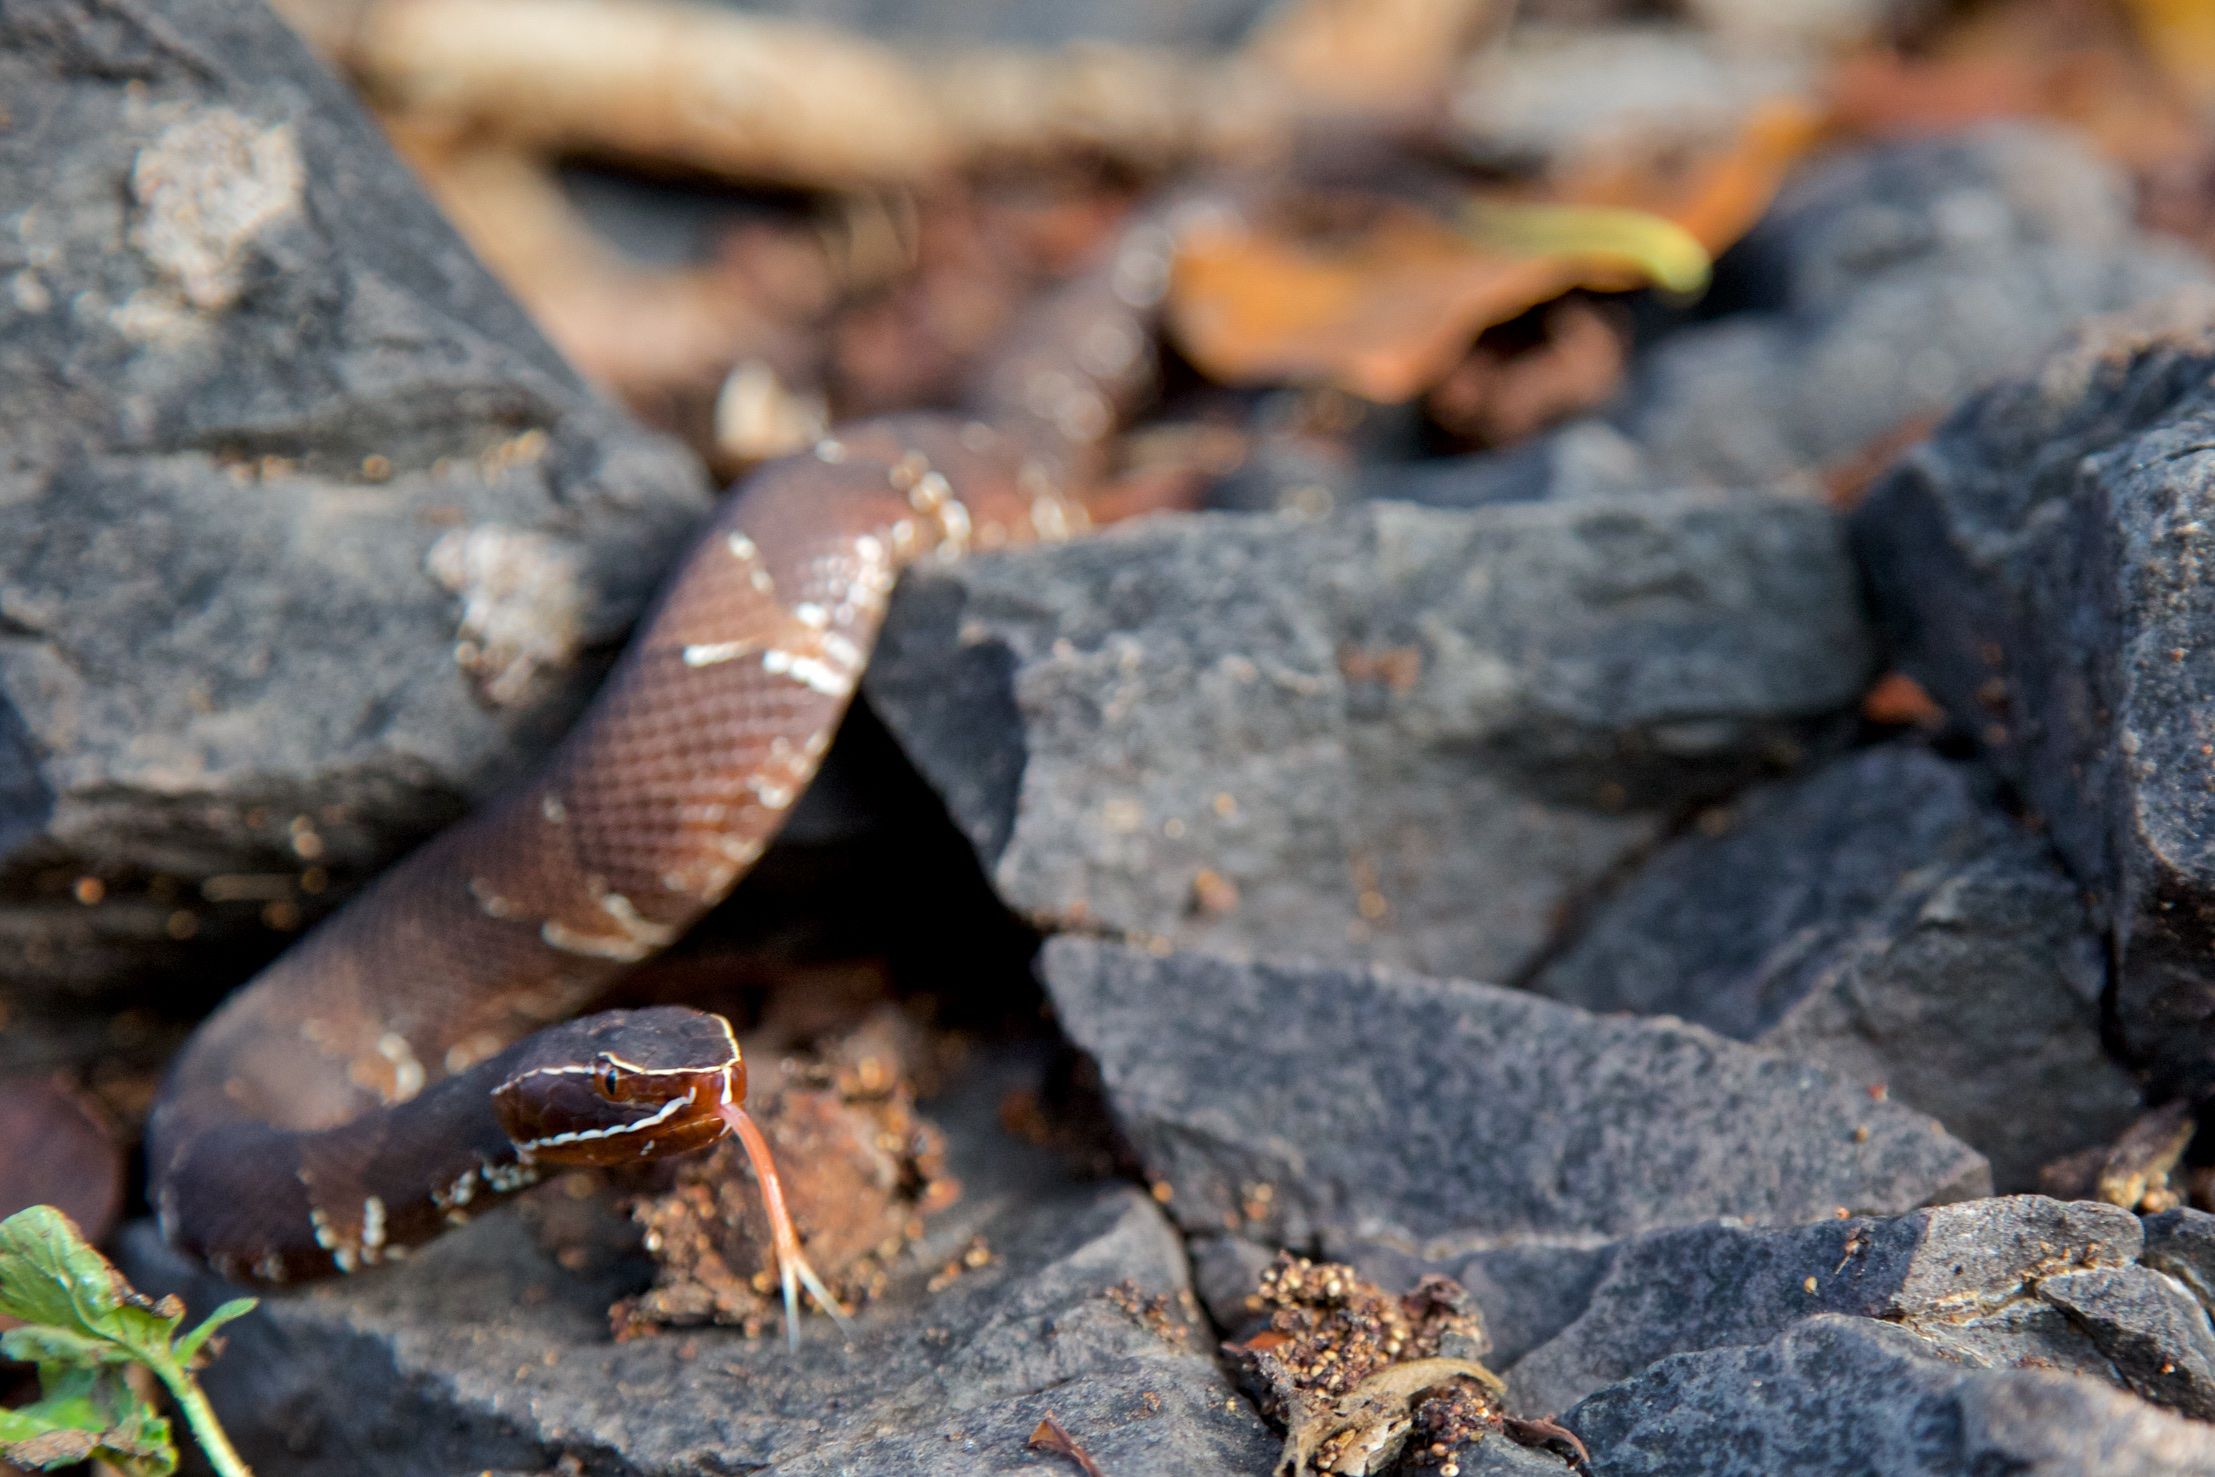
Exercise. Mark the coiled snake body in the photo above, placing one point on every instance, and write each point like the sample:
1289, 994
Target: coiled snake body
401, 1067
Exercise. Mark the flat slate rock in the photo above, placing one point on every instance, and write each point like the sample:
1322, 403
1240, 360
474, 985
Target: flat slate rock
2042, 565
306, 536
1998, 1283
1881, 917
1841, 1395
1392, 735
2149, 1326
2181, 1243
1704, 1287
482, 1354
1882, 287
1306, 1106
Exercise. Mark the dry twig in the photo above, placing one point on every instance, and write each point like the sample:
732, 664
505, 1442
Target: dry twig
757, 98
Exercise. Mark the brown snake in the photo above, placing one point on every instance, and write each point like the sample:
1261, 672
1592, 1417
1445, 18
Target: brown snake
399, 1069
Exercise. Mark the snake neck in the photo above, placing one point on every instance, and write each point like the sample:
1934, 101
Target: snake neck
266, 1204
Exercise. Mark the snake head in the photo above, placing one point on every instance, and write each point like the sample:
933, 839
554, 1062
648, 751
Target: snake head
623, 1086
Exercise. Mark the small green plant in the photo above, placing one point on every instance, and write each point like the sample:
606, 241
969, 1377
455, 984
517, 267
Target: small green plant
83, 1327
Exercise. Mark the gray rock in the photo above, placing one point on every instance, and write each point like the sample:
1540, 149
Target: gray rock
1715, 926
1955, 1268
1815, 26
935, 23
1553, 94
1439, 1115
2150, 1326
1751, 405
1912, 276
1854, 1396
482, 1353
1977, 196
1225, 1271
2000, 1283
1881, 918
1528, 1293
1585, 458
1394, 735
2182, 1243
2042, 564
1881, 289
1497, 1456
277, 452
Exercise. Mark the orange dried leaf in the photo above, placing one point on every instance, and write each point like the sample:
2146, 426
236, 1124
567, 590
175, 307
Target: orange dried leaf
1899, 701
1386, 311
1051, 1437
1718, 197
2080, 66
1383, 315
2180, 36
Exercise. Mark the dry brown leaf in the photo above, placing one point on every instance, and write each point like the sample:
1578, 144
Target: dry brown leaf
1897, 700
1716, 196
1052, 1438
1387, 310
1502, 393
741, 96
2180, 37
2067, 63
1383, 316
1364, 1430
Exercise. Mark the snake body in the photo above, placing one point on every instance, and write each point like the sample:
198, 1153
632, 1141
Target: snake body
410, 1061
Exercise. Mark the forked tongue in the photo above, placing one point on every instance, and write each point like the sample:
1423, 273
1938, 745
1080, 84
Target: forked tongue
793, 1271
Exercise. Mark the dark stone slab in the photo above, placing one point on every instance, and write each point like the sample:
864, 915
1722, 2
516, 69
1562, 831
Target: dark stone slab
1528, 1293
2021, 1281
1852, 1395
2150, 1326
2041, 562
1882, 918
2181, 1243
306, 536
1706, 926
1307, 1105
1394, 735
1954, 1266
1497, 1456
481, 1353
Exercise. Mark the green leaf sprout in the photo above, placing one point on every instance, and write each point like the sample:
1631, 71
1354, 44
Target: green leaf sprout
84, 1326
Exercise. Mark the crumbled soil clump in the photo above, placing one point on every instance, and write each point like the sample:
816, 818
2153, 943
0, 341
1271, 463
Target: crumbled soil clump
1366, 1382
861, 1169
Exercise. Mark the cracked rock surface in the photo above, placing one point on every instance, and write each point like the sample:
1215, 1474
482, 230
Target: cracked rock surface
306, 536
1880, 916
1397, 735
1433, 1113
2042, 564
1837, 1394
1938, 1311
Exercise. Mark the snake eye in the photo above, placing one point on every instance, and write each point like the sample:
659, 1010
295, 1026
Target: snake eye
610, 1081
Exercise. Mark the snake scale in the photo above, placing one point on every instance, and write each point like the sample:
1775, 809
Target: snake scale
412, 1059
